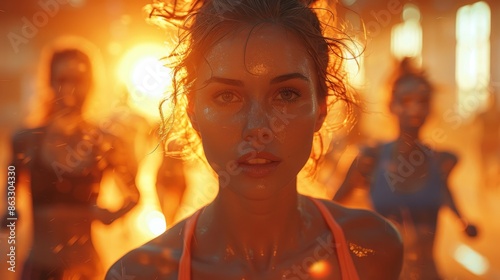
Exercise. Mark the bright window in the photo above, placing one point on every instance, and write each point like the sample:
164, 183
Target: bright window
355, 56
473, 57
406, 37
355, 64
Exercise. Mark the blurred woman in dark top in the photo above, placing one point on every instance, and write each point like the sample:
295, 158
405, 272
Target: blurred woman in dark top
63, 161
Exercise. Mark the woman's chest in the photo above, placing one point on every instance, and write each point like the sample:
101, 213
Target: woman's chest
317, 262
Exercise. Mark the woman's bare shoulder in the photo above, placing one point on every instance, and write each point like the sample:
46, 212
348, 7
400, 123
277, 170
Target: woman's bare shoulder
157, 259
373, 241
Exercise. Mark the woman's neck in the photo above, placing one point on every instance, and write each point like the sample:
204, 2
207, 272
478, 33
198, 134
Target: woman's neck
65, 113
258, 232
407, 141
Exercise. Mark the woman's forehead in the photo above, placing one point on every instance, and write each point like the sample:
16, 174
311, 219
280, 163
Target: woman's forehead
413, 93
259, 50
72, 64
412, 86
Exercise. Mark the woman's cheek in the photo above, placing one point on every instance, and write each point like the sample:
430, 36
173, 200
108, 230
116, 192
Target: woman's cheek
284, 120
209, 114
220, 126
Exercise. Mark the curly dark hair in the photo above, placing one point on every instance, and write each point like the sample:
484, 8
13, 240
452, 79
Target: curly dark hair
202, 24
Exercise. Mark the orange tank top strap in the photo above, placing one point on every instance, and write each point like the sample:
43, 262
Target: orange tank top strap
347, 268
185, 261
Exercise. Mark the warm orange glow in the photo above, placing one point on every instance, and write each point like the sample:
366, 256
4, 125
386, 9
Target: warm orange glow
355, 64
146, 78
319, 269
406, 37
142, 224
150, 77
473, 57
149, 220
152, 222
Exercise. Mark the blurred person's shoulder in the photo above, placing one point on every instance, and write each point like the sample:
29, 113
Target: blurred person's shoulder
25, 141
23, 135
447, 161
369, 154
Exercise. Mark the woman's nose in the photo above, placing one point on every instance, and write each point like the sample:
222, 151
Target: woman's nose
257, 124
416, 109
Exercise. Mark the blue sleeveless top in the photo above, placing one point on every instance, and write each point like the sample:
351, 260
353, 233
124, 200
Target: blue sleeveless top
415, 210
421, 205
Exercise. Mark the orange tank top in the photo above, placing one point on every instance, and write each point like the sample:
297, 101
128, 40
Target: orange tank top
346, 264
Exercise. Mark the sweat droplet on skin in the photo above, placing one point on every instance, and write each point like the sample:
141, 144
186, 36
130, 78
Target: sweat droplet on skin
360, 251
210, 114
259, 69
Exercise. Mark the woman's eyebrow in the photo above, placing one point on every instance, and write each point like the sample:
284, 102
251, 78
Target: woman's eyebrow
231, 82
287, 77
275, 80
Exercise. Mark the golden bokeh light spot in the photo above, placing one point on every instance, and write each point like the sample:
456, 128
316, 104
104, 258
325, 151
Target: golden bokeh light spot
320, 269
152, 221
146, 78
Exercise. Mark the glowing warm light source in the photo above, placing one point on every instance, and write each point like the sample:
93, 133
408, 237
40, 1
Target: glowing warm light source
411, 12
150, 77
406, 37
114, 48
319, 269
146, 78
151, 221
355, 63
472, 75
471, 260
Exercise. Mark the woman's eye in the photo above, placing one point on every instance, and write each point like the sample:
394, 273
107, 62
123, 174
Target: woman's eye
227, 97
287, 95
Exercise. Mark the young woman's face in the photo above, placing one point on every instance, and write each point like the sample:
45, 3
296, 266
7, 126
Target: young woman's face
255, 105
70, 81
412, 108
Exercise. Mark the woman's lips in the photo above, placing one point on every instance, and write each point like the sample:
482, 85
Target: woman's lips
258, 164
258, 170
